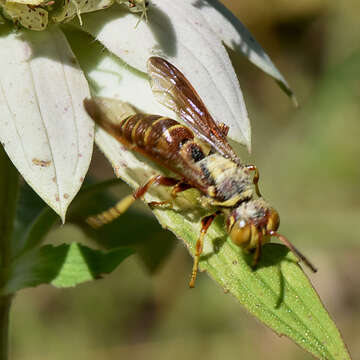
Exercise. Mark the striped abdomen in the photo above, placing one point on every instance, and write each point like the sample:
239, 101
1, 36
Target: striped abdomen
157, 135
163, 140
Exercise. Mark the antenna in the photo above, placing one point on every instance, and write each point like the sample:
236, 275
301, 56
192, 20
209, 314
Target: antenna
290, 246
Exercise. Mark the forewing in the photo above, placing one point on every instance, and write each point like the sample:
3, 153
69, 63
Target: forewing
172, 89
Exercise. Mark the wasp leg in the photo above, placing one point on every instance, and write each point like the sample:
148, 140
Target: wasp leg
256, 178
205, 224
159, 180
154, 204
257, 254
107, 216
179, 186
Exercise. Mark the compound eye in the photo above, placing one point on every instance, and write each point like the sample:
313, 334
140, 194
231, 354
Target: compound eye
240, 233
273, 220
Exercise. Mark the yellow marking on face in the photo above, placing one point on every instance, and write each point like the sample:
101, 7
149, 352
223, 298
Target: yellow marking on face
231, 221
254, 238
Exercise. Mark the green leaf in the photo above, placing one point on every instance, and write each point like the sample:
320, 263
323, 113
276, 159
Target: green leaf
277, 292
63, 266
286, 303
33, 265
84, 264
34, 220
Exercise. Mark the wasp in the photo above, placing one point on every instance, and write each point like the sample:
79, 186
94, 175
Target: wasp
200, 156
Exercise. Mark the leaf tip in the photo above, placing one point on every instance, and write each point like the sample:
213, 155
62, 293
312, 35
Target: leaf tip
62, 217
62, 214
294, 100
248, 147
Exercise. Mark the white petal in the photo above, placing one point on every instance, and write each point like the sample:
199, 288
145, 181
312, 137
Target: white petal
43, 126
180, 34
237, 37
116, 80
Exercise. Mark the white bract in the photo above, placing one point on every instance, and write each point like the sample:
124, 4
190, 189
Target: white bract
43, 126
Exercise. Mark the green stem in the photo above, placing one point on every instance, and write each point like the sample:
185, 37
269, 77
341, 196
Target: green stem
9, 186
5, 303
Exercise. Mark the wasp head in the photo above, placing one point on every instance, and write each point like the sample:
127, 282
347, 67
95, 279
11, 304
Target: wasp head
251, 223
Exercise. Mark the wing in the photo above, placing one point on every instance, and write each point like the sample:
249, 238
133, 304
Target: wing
172, 89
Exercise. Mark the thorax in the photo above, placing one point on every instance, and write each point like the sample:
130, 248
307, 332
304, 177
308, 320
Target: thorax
229, 182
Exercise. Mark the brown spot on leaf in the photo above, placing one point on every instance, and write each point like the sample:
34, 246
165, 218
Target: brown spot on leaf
42, 163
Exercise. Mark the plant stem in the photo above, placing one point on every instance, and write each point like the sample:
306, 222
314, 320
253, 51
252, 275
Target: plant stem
5, 303
9, 186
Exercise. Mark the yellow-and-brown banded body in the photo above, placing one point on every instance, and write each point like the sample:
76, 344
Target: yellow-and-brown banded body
175, 146
200, 155
158, 138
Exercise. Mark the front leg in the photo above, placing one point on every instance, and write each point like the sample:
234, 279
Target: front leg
205, 224
256, 178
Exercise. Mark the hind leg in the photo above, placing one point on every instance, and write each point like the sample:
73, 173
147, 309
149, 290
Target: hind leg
107, 216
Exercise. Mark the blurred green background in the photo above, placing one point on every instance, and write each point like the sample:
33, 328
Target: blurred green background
309, 166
